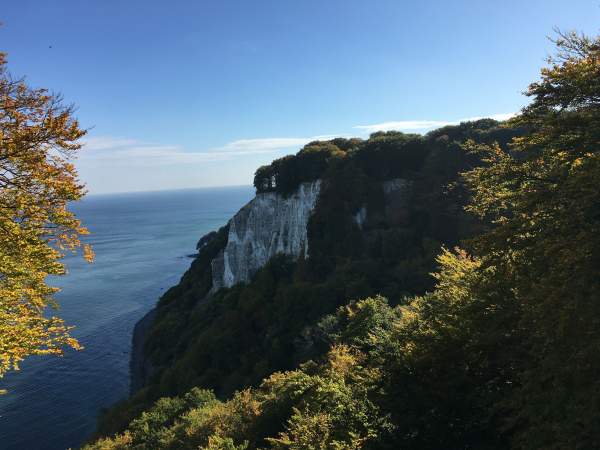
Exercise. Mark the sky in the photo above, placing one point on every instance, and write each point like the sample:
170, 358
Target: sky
182, 94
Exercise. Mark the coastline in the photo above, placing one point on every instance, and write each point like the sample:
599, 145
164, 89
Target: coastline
140, 368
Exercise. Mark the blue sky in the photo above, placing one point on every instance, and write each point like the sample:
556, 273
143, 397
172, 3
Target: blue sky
182, 94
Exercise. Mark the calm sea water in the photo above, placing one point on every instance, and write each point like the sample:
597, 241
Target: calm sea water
141, 242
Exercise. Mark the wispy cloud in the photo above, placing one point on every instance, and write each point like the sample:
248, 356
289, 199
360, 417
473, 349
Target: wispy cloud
263, 145
103, 143
121, 150
423, 125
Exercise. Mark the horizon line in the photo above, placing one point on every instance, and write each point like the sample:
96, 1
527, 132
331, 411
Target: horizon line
223, 186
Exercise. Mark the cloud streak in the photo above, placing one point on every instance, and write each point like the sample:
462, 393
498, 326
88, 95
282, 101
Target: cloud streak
263, 145
423, 125
100, 149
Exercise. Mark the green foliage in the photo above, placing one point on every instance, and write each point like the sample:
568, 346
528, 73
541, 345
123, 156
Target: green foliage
501, 352
392, 378
324, 405
544, 251
284, 175
392, 154
241, 335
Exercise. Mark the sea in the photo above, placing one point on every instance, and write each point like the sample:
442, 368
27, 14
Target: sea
144, 242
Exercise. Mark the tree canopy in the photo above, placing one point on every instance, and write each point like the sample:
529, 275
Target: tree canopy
38, 139
542, 256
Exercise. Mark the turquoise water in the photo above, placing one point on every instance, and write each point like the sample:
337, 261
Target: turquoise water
141, 242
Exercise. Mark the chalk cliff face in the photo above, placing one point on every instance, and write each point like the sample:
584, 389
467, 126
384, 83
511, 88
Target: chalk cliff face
268, 225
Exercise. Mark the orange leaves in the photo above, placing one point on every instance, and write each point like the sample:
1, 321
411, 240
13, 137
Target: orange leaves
88, 253
38, 138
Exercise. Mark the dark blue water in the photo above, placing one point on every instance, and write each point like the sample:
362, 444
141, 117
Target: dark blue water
141, 242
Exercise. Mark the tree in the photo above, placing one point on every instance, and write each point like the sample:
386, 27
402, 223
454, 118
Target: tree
544, 251
38, 139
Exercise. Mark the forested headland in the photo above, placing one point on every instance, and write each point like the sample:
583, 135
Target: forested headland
358, 346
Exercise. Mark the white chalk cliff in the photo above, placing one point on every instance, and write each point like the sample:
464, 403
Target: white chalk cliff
268, 225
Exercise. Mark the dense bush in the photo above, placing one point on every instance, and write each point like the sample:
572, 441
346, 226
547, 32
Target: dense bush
285, 174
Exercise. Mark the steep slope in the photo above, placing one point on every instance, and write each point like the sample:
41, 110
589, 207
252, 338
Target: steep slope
500, 354
270, 224
367, 217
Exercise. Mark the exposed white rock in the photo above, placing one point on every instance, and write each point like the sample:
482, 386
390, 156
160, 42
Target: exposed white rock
395, 191
269, 224
360, 217
394, 185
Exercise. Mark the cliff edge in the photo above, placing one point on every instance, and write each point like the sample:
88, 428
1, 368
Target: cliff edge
269, 224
